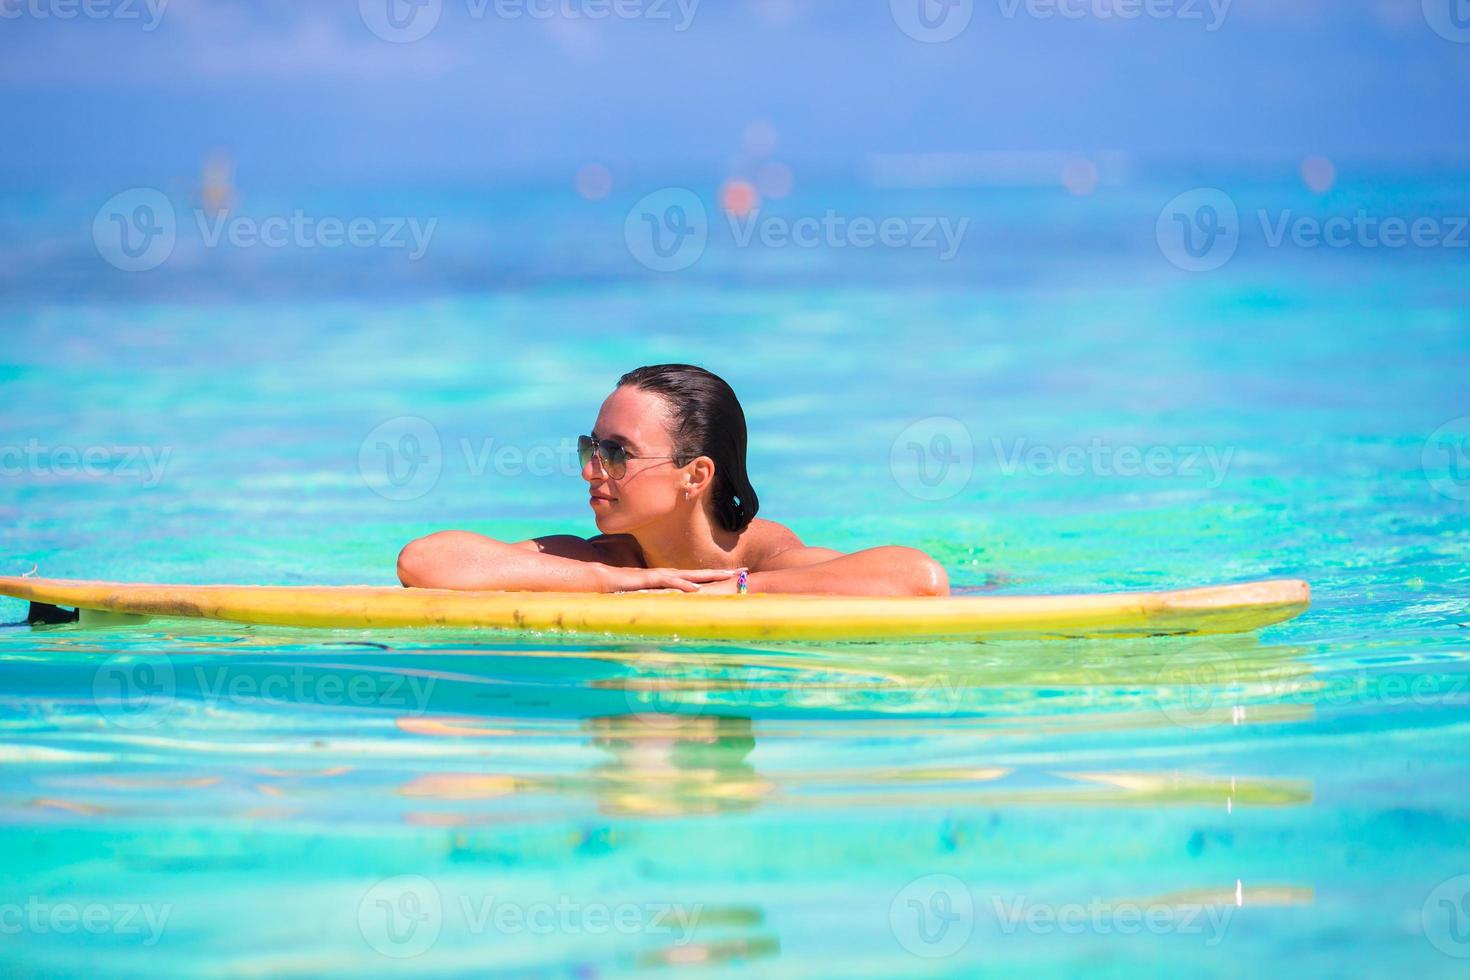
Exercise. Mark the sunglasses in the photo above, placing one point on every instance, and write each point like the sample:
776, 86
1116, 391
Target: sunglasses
610, 453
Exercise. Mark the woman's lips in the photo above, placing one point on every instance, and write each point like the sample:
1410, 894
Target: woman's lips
594, 499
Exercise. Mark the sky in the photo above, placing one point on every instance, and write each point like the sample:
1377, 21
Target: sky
338, 90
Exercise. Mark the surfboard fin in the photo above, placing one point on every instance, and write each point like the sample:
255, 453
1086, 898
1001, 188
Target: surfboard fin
45, 614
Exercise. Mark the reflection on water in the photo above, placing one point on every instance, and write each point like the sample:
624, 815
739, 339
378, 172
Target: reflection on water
471, 733
656, 767
787, 793
482, 768
466, 736
690, 765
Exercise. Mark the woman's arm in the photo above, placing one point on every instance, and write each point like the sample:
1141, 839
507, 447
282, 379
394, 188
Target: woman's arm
888, 571
556, 563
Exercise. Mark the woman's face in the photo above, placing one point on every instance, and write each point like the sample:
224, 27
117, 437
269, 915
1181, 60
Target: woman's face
650, 488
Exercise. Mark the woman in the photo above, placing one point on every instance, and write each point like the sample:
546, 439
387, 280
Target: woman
665, 465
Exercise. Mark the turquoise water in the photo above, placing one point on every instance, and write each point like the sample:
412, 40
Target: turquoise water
202, 798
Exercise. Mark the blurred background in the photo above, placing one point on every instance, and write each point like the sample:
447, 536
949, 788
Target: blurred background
525, 129
530, 91
248, 235
1076, 295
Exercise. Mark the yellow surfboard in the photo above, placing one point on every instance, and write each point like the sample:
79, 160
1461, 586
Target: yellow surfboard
1221, 609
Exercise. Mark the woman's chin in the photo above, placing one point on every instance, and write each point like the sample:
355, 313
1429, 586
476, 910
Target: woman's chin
614, 523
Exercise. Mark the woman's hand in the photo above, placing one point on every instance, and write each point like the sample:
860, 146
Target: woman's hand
681, 579
725, 586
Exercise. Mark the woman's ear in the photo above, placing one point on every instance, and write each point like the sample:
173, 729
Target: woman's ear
701, 475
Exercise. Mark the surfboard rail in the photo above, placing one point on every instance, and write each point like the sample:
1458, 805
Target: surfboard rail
1213, 609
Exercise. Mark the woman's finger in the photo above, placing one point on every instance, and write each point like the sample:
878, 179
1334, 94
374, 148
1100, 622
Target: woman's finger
705, 574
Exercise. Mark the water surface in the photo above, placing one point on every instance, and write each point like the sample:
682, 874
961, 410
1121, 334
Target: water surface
206, 798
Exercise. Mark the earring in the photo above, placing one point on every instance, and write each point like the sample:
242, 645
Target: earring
686, 493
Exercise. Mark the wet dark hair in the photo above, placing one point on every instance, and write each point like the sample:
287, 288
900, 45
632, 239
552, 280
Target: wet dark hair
706, 421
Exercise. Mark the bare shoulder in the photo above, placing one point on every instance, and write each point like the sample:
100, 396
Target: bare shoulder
767, 537
774, 546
